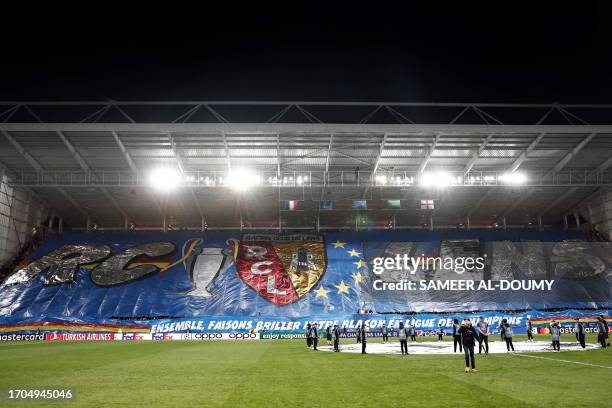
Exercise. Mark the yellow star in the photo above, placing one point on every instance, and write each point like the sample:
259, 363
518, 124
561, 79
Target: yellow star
339, 244
360, 264
352, 253
358, 277
321, 292
342, 288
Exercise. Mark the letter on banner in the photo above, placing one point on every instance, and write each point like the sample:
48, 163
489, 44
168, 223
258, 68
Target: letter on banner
116, 269
62, 264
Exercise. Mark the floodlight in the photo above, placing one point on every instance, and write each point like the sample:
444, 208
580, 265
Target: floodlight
513, 178
242, 179
437, 179
381, 179
164, 179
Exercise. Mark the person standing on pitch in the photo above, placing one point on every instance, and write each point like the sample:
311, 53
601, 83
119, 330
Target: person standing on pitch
402, 334
555, 332
529, 332
508, 333
344, 330
579, 331
308, 338
440, 332
383, 331
412, 332
359, 334
606, 329
336, 334
314, 334
467, 338
456, 336
363, 339
328, 334
502, 329
602, 331
483, 327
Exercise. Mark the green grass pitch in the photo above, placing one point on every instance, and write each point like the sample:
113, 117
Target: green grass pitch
284, 373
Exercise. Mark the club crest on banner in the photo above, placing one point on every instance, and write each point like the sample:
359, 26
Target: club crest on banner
281, 268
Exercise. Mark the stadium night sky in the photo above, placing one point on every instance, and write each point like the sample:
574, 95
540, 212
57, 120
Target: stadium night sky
350, 51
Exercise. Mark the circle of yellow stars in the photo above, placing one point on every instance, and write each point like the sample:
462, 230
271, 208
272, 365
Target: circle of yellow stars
358, 277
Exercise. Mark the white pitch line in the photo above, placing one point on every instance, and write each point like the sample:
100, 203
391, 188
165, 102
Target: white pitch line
563, 361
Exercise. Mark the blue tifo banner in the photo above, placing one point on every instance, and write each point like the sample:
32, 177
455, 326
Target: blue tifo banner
117, 278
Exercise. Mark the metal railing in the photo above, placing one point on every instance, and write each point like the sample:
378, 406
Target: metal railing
299, 112
293, 179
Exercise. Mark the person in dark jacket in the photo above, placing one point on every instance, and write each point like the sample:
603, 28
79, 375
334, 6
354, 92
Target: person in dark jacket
468, 335
328, 335
412, 332
508, 334
336, 335
440, 332
384, 333
606, 329
314, 334
308, 338
402, 334
602, 331
529, 333
359, 334
502, 329
456, 336
579, 331
363, 338
483, 336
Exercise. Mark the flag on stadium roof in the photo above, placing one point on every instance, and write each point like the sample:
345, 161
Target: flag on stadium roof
360, 204
395, 204
293, 205
326, 205
427, 204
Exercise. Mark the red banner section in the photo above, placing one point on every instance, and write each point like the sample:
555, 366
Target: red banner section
260, 267
81, 336
73, 327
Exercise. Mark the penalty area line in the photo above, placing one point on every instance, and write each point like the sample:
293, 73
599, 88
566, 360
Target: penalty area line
562, 361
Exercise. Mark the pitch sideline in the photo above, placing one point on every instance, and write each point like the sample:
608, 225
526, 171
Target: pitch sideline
563, 361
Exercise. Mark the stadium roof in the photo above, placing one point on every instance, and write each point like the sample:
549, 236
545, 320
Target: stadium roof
90, 161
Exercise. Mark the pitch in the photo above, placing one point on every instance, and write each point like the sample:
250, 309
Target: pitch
286, 373
447, 347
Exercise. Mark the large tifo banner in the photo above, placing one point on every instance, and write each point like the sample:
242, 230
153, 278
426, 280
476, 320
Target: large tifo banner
127, 278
